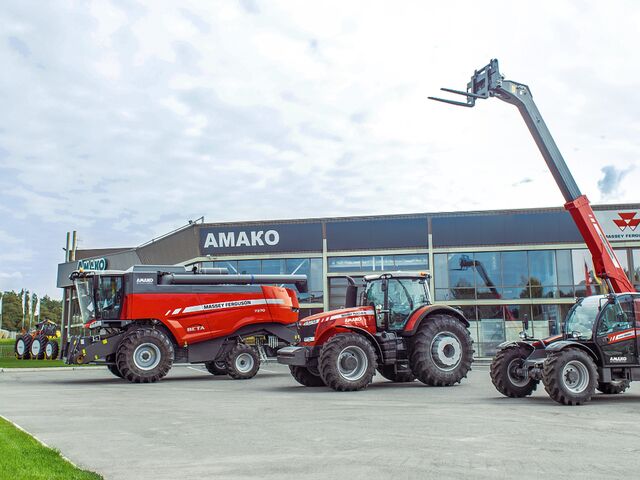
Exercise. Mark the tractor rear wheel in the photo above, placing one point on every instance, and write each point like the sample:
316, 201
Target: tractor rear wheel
37, 347
504, 372
442, 351
51, 350
216, 368
389, 372
23, 347
570, 376
112, 367
243, 362
144, 355
306, 377
347, 362
612, 388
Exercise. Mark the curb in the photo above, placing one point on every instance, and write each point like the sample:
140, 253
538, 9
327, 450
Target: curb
47, 369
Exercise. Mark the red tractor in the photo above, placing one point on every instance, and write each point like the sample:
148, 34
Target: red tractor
600, 344
141, 321
395, 329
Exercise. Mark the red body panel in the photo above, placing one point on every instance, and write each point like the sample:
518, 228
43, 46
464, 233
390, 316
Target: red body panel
604, 260
196, 317
415, 316
329, 323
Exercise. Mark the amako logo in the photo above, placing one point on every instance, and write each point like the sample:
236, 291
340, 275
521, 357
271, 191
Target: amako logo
242, 239
627, 219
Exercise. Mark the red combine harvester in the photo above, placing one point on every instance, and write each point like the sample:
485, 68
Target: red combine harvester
395, 329
599, 346
141, 321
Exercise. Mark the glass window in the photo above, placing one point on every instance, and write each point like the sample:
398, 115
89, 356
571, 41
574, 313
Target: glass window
491, 331
488, 275
344, 264
249, 267
547, 320
274, 267
231, 265
514, 269
635, 254
440, 275
378, 263
584, 278
563, 262
542, 268
411, 262
623, 258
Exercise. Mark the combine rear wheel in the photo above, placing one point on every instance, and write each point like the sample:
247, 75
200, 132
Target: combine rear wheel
389, 372
505, 373
306, 377
144, 355
243, 362
23, 347
570, 376
51, 350
442, 351
37, 347
347, 362
613, 388
216, 368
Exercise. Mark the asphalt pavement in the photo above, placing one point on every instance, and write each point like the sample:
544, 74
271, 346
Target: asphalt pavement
194, 425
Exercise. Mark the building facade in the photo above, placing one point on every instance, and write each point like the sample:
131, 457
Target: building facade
497, 266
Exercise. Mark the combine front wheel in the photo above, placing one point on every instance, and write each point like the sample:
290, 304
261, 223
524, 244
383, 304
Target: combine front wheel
506, 373
570, 376
144, 355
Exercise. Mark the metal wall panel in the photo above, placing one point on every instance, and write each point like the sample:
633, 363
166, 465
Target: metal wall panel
372, 234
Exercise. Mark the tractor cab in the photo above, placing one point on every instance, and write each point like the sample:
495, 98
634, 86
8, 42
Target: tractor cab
395, 296
100, 296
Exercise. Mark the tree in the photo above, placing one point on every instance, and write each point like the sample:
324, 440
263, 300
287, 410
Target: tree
12, 310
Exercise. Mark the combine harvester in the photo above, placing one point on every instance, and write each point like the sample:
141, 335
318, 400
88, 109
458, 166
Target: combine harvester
599, 346
140, 321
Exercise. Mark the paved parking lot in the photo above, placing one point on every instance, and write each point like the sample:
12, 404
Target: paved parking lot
194, 425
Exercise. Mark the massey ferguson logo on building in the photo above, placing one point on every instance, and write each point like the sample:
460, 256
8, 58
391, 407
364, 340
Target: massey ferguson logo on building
627, 219
254, 238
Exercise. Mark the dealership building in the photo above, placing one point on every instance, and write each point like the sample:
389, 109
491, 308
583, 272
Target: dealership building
496, 266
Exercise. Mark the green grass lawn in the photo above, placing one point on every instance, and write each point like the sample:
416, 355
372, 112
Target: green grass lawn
22, 457
15, 363
7, 341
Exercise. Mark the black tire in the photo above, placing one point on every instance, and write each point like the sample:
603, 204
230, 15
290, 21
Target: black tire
441, 351
216, 368
51, 350
389, 372
613, 388
144, 355
22, 347
112, 367
243, 362
305, 377
503, 374
347, 362
570, 376
37, 347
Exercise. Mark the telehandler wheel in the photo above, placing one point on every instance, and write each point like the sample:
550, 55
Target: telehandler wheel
306, 377
347, 362
51, 350
613, 388
37, 347
113, 368
216, 368
570, 376
243, 362
144, 355
23, 347
442, 351
389, 372
504, 373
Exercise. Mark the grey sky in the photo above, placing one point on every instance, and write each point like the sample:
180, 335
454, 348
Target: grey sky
124, 119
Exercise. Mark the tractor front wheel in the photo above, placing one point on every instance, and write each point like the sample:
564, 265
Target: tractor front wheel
243, 362
144, 355
306, 377
23, 347
506, 373
613, 388
442, 351
51, 350
570, 376
347, 362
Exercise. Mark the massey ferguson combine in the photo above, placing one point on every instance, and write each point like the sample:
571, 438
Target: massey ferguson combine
599, 346
394, 329
141, 321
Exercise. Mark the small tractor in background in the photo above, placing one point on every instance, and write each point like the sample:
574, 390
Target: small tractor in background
141, 321
600, 344
393, 328
40, 343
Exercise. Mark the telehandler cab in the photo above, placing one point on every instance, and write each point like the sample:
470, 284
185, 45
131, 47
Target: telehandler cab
600, 341
394, 328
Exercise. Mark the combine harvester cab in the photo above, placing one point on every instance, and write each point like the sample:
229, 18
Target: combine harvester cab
140, 321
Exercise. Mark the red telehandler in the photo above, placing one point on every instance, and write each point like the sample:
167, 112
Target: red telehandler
599, 346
